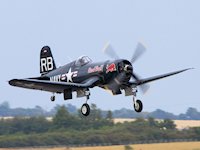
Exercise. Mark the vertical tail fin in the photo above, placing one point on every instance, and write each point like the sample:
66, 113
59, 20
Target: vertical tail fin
47, 63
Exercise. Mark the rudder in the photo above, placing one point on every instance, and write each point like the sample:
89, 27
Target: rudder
47, 63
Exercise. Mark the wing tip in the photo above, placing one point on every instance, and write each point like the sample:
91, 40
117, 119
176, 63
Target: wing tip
12, 82
188, 69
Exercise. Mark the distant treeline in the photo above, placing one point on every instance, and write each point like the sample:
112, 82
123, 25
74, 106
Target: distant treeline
5, 110
71, 129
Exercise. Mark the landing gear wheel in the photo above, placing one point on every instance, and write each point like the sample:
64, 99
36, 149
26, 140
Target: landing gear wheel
53, 98
85, 109
138, 106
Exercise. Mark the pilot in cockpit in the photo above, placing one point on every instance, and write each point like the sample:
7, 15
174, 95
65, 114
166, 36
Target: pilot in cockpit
83, 60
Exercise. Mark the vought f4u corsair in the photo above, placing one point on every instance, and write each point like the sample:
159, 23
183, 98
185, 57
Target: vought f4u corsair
82, 74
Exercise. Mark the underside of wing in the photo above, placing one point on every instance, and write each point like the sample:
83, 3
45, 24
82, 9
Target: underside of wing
55, 87
147, 80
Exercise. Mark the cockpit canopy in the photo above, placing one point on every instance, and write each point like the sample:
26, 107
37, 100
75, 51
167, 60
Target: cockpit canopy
83, 60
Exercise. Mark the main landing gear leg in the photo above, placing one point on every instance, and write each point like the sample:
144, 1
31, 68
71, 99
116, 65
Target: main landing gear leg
53, 97
137, 104
85, 109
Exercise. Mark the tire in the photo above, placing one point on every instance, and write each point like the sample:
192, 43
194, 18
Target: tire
53, 98
85, 109
139, 106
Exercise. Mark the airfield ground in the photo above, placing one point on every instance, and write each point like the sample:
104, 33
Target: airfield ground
160, 146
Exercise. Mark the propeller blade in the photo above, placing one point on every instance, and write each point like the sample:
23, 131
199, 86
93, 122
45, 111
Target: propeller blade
140, 49
109, 50
144, 87
136, 77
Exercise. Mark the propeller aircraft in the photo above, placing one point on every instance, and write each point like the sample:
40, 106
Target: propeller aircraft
81, 75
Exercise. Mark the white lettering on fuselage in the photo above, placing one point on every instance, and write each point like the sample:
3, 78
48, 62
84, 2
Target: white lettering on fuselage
55, 78
67, 77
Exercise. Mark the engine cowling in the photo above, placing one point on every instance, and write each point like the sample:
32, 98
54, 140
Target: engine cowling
123, 75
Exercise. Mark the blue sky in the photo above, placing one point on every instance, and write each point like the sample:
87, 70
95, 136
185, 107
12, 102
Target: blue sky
170, 29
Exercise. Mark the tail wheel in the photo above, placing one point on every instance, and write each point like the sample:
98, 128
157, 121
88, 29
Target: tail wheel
138, 106
85, 109
53, 98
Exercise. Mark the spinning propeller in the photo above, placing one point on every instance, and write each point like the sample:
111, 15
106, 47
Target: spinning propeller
139, 51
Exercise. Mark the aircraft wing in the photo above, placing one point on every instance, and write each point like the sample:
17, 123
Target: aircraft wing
143, 81
56, 87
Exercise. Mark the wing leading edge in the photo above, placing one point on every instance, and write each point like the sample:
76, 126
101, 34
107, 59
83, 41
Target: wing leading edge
147, 80
55, 87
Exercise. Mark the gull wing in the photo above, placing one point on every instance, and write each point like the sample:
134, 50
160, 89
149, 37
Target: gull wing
51, 86
147, 80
